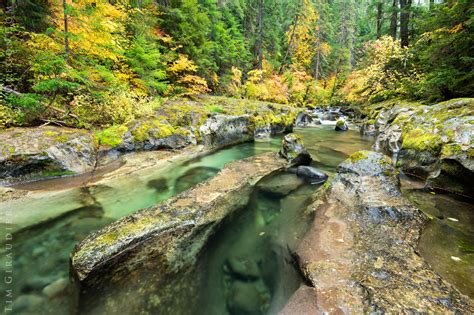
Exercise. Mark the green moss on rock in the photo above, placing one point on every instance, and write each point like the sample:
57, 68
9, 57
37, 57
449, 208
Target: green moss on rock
420, 140
111, 136
360, 155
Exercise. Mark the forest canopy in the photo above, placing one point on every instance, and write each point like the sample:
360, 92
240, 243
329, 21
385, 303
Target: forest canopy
93, 63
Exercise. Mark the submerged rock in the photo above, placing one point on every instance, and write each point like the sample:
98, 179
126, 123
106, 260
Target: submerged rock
294, 151
360, 251
27, 153
311, 174
163, 240
281, 184
248, 297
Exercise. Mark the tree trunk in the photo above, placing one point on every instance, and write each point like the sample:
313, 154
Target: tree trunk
289, 44
379, 18
405, 6
259, 42
431, 4
394, 20
66, 33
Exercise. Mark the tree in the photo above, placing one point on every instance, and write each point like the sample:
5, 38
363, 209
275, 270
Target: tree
66, 33
394, 20
379, 18
405, 6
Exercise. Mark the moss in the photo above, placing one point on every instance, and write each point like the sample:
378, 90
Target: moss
112, 136
370, 121
62, 138
450, 150
360, 155
11, 150
155, 128
340, 123
215, 108
51, 133
420, 140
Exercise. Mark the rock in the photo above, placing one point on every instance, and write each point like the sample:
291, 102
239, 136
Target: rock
27, 303
56, 287
224, 130
368, 129
263, 133
303, 119
303, 302
27, 153
248, 298
341, 125
311, 174
154, 134
35, 283
360, 252
432, 142
294, 151
165, 239
281, 184
245, 269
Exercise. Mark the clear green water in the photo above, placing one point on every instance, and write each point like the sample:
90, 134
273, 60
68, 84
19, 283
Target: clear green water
447, 243
264, 232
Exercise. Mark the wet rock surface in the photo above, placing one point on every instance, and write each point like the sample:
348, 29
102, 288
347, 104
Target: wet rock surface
360, 253
45, 151
165, 238
311, 174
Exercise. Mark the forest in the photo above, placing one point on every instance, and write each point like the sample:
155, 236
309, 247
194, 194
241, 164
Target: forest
96, 63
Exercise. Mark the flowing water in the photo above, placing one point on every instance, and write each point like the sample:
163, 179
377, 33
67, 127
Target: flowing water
246, 267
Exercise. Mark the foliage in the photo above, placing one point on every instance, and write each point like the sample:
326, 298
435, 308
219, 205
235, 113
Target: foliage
124, 57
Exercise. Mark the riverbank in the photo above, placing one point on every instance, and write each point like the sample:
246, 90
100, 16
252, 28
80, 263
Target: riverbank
28, 154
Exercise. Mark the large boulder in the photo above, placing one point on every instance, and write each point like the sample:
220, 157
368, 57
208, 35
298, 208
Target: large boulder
294, 151
360, 252
432, 142
224, 130
154, 134
29, 153
163, 241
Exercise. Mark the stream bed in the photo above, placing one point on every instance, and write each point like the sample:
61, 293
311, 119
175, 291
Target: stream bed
245, 268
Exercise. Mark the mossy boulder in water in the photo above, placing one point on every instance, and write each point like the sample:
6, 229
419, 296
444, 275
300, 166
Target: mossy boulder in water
294, 151
360, 252
341, 125
33, 153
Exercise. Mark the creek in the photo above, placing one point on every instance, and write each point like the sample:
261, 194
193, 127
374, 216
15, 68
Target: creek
246, 267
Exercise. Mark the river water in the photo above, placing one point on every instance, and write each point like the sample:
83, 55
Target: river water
245, 268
